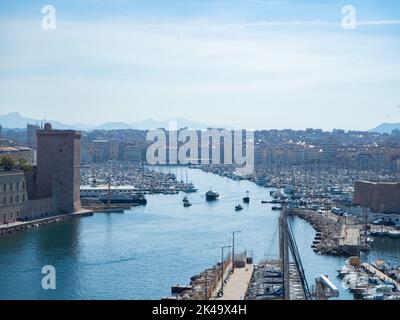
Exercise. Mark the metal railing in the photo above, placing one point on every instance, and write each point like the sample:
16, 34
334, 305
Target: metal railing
297, 260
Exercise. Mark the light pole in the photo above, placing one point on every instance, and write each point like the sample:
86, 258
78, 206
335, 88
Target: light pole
222, 268
233, 249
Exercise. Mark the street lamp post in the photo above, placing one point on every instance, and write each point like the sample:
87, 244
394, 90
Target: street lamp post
222, 268
233, 249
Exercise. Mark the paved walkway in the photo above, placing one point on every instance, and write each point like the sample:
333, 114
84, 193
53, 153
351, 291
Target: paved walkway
349, 236
237, 285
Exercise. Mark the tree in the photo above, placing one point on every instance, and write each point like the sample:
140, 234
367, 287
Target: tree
7, 163
24, 165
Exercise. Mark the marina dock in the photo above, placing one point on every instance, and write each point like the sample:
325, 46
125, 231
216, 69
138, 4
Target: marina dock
372, 270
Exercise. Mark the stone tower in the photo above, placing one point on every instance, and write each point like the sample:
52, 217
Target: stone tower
58, 167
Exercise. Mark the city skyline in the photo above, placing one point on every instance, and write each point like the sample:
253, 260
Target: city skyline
259, 64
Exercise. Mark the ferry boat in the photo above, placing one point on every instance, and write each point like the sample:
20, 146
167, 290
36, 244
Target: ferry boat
121, 198
94, 191
211, 195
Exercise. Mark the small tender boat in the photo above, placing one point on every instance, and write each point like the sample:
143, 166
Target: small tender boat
187, 204
239, 207
246, 199
190, 188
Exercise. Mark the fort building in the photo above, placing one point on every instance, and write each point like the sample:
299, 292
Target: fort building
50, 188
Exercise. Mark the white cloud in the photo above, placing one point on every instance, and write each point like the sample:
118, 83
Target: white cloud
378, 22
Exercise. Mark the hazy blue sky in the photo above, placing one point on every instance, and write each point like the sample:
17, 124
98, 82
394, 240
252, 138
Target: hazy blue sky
249, 63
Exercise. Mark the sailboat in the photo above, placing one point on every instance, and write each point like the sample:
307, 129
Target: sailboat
189, 187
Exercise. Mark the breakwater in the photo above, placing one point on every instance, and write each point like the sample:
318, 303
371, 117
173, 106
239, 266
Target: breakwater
328, 234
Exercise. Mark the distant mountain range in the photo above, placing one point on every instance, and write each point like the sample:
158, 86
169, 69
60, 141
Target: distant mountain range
386, 127
15, 120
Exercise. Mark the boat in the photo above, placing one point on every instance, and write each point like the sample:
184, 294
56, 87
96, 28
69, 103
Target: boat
261, 181
238, 207
275, 208
119, 198
344, 271
94, 191
211, 195
246, 199
394, 234
289, 189
190, 188
185, 199
357, 282
187, 204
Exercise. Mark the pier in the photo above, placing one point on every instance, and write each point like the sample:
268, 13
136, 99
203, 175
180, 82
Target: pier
237, 283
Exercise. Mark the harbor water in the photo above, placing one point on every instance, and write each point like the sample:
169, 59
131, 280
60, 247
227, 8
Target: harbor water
139, 254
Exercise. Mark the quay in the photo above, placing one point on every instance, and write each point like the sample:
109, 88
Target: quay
21, 225
208, 284
109, 208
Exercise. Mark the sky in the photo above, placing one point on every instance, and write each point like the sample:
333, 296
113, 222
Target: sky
250, 64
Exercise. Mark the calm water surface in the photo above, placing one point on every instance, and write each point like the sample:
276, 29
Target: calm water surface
141, 253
